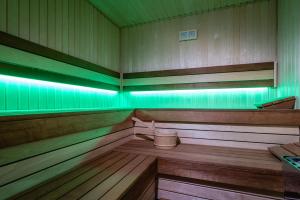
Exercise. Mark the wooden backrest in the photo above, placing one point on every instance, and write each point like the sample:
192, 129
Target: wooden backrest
243, 129
15, 130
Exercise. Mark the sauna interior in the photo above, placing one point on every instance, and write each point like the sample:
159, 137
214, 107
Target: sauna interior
150, 99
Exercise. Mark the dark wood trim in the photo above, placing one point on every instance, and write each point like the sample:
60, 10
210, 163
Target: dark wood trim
202, 70
211, 85
32, 73
28, 46
244, 117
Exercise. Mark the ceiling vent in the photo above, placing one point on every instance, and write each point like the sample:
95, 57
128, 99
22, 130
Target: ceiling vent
188, 35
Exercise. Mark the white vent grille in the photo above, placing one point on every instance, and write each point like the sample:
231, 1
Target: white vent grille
188, 35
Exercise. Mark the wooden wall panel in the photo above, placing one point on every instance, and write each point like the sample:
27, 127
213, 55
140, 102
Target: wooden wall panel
34, 21
43, 37
54, 24
242, 34
3, 4
12, 17
69, 27
173, 189
22, 98
24, 19
289, 49
51, 24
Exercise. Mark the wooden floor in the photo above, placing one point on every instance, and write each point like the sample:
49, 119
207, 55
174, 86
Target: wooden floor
114, 175
250, 170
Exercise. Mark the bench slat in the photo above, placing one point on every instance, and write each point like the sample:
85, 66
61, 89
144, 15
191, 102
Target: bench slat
60, 191
98, 179
140, 147
40, 162
129, 180
24, 151
106, 185
279, 152
57, 182
292, 148
28, 182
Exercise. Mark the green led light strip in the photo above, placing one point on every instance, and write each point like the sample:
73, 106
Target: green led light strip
19, 80
204, 91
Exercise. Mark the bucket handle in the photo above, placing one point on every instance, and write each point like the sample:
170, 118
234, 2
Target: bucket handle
151, 127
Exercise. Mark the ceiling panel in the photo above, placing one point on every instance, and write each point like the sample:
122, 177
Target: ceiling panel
132, 12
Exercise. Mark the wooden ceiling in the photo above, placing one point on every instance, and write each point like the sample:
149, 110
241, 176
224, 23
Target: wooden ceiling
132, 12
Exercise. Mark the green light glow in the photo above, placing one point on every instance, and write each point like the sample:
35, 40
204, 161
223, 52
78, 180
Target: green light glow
207, 91
63, 86
227, 98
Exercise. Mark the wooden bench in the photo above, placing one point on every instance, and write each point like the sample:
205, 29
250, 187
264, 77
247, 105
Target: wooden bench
36, 148
114, 175
229, 172
203, 172
53, 155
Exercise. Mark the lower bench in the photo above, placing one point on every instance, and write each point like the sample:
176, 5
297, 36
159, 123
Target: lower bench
256, 174
114, 175
132, 170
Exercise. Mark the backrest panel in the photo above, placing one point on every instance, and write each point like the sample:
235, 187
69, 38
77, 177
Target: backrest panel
24, 129
241, 129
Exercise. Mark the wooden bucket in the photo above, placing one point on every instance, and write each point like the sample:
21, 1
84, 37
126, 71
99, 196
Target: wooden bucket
165, 139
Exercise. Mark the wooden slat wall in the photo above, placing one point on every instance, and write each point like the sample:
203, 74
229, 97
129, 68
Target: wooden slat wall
235, 35
289, 49
179, 190
54, 144
73, 27
29, 98
251, 137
